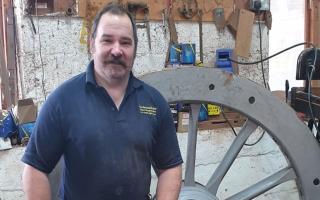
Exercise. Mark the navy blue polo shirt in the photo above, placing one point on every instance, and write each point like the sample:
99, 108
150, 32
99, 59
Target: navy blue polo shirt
107, 152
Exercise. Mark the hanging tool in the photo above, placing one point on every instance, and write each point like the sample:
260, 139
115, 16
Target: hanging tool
218, 14
134, 8
146, 18
28, 13
189, 9
287, 90
172, 31
164, 23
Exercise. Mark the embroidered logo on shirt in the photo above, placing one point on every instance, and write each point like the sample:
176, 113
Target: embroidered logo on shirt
148, 110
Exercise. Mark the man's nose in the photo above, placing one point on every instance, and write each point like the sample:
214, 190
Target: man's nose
116, 50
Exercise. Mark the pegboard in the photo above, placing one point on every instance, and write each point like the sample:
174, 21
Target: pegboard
157, 8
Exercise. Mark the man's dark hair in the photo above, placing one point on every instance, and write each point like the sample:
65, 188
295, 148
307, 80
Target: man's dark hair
115, 9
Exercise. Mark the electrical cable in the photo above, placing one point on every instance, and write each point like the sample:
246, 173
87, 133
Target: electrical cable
265, 85
263, 77
310, 91
309, 77
235, 133
267, 58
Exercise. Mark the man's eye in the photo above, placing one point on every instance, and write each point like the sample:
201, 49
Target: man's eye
126, 43
106, 41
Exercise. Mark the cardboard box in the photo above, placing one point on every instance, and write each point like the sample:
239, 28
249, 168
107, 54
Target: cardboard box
25, 111
183, 122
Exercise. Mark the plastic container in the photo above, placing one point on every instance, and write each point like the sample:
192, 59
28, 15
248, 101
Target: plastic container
188, 53
203, 114
174, 54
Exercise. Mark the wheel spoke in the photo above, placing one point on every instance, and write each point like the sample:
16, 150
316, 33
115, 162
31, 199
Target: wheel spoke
228, 159
266, 184
192, 144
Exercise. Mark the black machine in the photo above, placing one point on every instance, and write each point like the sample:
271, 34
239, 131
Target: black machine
300, 96
300, 101
305, 63
307, 99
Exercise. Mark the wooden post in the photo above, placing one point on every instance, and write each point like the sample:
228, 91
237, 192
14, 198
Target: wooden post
11, 55
82, 8
8, 55
312, 26
4, 4
5, 91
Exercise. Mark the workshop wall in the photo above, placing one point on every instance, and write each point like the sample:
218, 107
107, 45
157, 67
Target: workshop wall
56, 49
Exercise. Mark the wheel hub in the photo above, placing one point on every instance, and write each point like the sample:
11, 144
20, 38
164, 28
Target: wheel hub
197, 192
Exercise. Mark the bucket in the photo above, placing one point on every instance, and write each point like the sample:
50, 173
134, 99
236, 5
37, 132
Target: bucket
188, 53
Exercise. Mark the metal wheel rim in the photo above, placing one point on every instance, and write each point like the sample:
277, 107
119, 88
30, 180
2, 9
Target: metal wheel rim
195, 85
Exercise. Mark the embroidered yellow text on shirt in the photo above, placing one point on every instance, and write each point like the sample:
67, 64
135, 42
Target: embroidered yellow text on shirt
148, 110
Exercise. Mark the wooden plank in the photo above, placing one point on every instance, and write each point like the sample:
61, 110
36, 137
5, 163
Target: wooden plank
244, 33
82, 8
67, 6
317, 34
312, 27
157, 7
1, 57
241, 4
232, 22
307, 14
4, 27
1, 20
5, 91
215, 122
11, 55
209, 125
5, 94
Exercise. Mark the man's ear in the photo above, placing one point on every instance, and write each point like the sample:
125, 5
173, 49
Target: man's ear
92, 47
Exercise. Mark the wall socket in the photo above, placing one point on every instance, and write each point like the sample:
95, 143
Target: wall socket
265, 5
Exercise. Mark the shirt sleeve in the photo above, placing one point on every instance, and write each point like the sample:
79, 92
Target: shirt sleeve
46, 143
166, 152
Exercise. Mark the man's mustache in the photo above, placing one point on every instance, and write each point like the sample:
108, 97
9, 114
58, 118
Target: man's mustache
116, 62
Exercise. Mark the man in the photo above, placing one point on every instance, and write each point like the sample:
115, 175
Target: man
108, 125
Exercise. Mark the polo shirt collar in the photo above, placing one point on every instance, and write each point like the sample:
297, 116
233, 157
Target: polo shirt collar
90, 74
132, 84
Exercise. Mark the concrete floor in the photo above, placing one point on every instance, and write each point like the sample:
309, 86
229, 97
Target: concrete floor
252, 164
10, 174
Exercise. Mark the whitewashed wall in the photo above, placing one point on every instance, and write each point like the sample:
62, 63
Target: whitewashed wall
55, 53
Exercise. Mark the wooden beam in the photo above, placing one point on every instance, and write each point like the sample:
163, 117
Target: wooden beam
4, 80
4, 4
8, 55
11, 55
1, 20
1, 38
312, 27
82, 8
307, 24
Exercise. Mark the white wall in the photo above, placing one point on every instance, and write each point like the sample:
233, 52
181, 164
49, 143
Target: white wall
287, 30
55, 53
62, 56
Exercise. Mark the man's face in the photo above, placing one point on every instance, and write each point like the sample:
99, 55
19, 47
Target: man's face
113, 48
